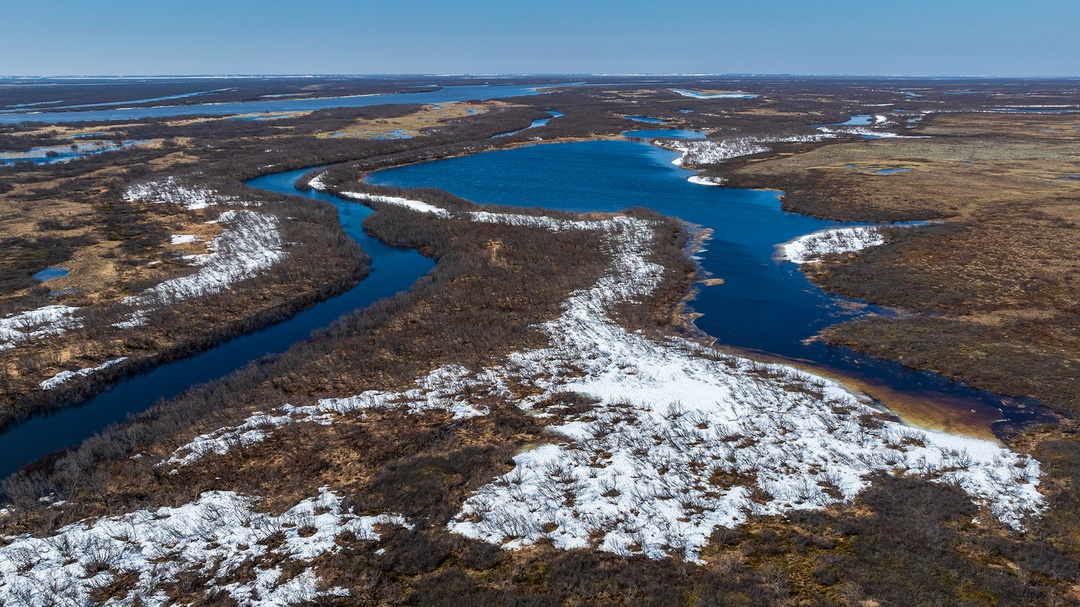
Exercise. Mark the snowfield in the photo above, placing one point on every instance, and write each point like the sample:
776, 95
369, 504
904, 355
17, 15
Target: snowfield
680, 439
32, 324
812, 247
213, 535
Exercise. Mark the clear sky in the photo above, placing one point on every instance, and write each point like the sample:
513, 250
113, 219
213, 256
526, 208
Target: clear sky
912, 37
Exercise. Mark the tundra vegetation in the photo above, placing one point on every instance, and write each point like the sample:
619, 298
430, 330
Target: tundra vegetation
519, 427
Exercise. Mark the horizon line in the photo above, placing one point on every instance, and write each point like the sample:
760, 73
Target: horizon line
540, 74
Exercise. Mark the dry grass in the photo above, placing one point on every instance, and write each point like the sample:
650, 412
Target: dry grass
413, 125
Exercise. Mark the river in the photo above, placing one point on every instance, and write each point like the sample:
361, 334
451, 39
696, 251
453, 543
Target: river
392, 270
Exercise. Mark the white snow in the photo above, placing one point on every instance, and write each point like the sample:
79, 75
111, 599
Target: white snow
712, 151
703, 180
812, 247
183, 239
250, 244
867, 132
213, 535
415, 205
64, 376
643, 471
317, 182
32, 324
699, 95
172, 190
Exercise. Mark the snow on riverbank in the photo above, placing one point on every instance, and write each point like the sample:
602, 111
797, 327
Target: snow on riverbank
680, 439
32, 324
812, 247
213, 536
65, 376
415, 205
249, 245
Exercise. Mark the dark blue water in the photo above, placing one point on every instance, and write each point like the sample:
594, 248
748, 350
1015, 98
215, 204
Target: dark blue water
51, 273
392, 270
765, 304
444, 95
665, 134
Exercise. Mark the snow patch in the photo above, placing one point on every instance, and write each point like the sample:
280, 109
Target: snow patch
700, 95
212, 536
703, 180
713, 151
183, 239
173, 191
249, 245
415, 205
812, 247
65, 376
32, 324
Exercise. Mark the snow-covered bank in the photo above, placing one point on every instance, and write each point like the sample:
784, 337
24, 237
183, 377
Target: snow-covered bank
249, 245
214, 536
812, 247
32, 324
415, 205
64, 376
702, 180
680, 439
713, 151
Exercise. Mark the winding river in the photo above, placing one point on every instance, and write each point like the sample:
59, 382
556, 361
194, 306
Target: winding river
765, 306
392, 270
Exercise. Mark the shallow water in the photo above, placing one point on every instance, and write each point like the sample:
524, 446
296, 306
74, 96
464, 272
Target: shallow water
64, 153
392, 270
765, 305
51, 273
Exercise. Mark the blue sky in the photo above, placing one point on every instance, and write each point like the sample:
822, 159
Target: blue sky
916, 37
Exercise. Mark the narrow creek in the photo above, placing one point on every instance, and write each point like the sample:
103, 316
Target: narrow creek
392, 270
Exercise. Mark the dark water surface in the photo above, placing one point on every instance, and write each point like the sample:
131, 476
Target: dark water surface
765, 305
392, 270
